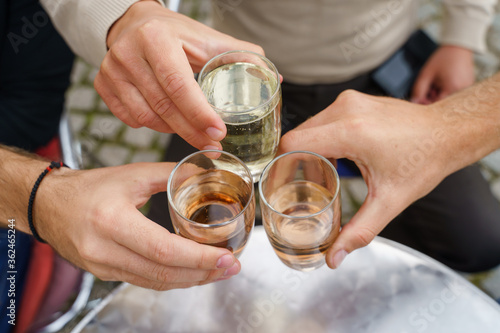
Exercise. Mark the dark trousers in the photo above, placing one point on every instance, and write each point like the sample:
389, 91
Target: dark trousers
458, 223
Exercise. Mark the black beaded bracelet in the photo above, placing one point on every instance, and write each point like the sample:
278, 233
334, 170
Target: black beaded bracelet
52, 165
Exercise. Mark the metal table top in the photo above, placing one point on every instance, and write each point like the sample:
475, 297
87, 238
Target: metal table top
384, 287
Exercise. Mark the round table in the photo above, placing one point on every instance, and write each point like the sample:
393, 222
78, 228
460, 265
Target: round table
384, 287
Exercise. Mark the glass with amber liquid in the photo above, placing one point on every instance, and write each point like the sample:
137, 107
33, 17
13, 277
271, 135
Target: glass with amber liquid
244, 89
301, 209
211, 200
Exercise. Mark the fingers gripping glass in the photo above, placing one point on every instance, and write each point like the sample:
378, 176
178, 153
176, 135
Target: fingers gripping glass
211, 200
244, 89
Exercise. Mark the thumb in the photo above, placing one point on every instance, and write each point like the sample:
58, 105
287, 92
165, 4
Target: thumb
368, 222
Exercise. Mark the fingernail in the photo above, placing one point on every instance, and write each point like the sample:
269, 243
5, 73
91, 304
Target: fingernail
339, 257
233, 270
223, 278
215, 133
226, 261
210, 147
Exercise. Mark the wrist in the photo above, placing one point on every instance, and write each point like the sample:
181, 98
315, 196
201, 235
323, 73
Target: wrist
52, 198
457, 50
18, 172
456, 47
444, 137
31, 202
133, 13
468, 127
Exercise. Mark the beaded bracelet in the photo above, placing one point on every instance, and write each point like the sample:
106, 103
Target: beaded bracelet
52, 165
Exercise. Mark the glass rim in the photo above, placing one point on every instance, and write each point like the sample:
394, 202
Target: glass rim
202, 225
269, 166
266, 60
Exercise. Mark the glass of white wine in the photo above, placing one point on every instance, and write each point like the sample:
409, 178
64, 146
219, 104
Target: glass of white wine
301, 208
211, 200
244, 89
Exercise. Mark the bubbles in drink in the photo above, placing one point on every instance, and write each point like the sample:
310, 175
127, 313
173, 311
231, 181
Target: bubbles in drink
245, 97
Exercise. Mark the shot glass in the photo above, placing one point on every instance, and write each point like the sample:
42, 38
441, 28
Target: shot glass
301, 208
211, 200
244, 89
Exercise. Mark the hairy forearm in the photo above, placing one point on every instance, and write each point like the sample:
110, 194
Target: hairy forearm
471, 122
18, 173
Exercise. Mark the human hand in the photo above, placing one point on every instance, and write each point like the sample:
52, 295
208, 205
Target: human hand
449, 69
95, 224
394, 143
146, 78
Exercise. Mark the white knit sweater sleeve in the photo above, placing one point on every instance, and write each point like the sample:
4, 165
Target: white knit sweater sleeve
466, 23
84, 24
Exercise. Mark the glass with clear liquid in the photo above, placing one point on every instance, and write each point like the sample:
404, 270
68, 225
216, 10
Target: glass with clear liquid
244, 89
301, 209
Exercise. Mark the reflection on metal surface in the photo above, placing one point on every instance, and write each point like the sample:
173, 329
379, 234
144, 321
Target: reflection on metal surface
70, 148
384, 287
77, 306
